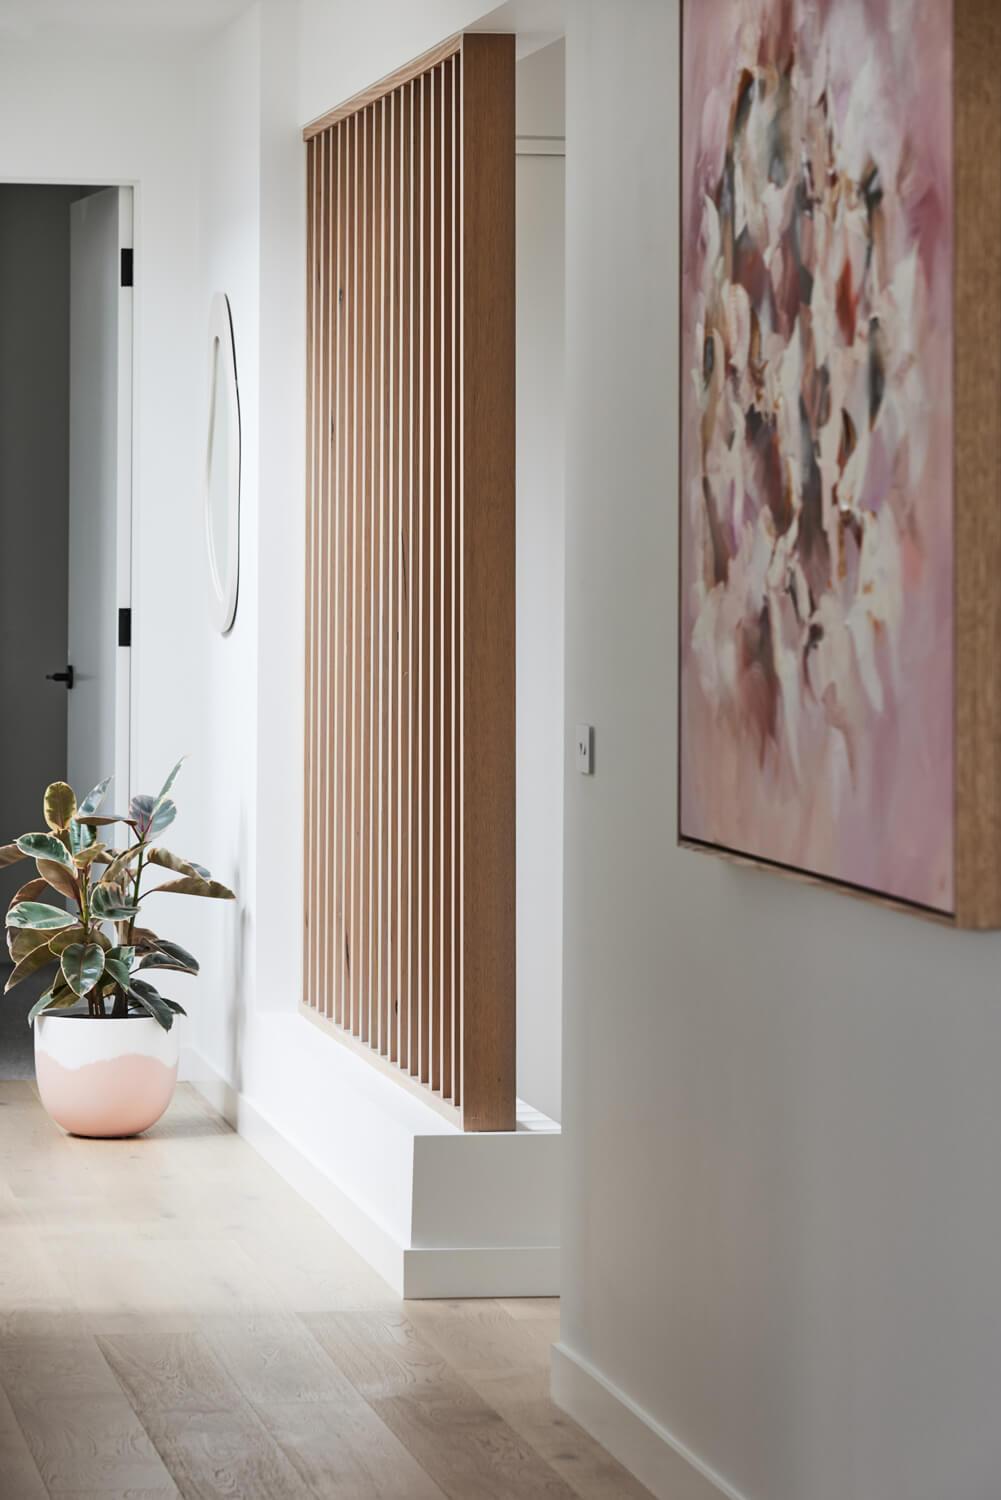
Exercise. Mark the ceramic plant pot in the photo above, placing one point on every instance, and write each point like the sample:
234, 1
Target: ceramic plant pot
111, 1076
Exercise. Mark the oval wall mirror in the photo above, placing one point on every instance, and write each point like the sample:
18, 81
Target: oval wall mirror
222, 466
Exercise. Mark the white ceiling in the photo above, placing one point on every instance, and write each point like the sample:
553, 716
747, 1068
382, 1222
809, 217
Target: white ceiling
113, 23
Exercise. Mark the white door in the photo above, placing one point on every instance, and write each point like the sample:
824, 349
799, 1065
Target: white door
100, 491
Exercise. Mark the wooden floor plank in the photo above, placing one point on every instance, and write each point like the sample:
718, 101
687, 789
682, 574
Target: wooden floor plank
176, 1321
207, 1434
21, 1479
461, 1441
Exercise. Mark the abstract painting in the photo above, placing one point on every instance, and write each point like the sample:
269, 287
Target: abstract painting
817, 410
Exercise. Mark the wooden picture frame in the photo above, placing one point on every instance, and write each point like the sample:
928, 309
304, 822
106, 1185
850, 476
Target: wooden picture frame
975, 877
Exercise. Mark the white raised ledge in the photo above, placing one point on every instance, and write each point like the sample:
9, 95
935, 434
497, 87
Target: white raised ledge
438, 1213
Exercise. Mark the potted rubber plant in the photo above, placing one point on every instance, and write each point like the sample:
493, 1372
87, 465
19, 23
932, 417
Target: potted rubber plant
105, 1052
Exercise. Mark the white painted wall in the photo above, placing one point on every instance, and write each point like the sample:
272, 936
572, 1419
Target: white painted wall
540, 565
782, 1120
84, 119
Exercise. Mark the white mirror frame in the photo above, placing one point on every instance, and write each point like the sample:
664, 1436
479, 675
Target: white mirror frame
225, 582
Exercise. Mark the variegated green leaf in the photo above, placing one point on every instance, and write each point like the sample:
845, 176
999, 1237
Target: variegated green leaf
94, 798
80, 836
48, 1001
109, 903
174, 862
170, 956
151, 1001
59, 878
40, 916
59, 805
45, 846
120, 864
30, 891
194, 885
21, 942
82, 966
119, 971
60, 941
165, 789
30, 964
84, 857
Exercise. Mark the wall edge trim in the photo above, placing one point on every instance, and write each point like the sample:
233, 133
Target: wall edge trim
658, 1459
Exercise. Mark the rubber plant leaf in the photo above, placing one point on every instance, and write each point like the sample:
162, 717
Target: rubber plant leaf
87, 856
170, 956
144, 939
22, 942
174, 862
45, 846
109, 904
151, 1001
60, 941
120, 864
59, 806
41, 917
83, 965
163, 815
94, 798
102, 820
59, 878
51, 1000
81, 837
141, 812
194, 885
10, 854
30, 964
30, 891
118, 970
165, 789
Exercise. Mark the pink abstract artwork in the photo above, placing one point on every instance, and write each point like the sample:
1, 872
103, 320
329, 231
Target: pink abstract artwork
817, 549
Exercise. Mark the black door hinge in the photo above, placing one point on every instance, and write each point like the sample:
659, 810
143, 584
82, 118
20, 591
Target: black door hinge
125, 627
127, 268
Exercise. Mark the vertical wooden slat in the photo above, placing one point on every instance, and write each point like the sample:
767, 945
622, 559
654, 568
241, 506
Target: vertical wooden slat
431, 789
392, 842
408, 1052
321, 511
456, 563
327, 554
383, 925
425, 629
341, 573
488, 562
357, 520
409, 745
309, 915
447, 471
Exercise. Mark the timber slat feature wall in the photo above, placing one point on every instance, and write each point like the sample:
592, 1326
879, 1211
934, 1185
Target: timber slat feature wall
410, 585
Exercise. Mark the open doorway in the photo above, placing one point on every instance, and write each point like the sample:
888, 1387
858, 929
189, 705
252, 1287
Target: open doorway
65, 515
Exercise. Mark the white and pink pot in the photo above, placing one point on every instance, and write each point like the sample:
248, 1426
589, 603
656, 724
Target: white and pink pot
104, 1076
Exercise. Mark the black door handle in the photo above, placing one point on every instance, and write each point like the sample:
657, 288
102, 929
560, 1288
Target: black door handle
66, 677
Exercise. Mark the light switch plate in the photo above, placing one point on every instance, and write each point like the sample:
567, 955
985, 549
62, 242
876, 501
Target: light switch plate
585, 741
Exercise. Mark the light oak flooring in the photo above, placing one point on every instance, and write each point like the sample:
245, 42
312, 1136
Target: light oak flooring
174, 1320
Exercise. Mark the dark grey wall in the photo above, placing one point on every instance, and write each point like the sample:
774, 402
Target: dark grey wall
34, 430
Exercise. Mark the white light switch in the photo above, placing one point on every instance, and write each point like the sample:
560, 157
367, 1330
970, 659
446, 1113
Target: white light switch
585, 739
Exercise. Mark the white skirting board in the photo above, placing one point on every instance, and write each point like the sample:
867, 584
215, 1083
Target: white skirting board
464, 1215
667, 1468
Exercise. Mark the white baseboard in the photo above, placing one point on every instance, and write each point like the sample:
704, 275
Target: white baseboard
485, 1271
669, 1470
426, 1271
371, 1241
